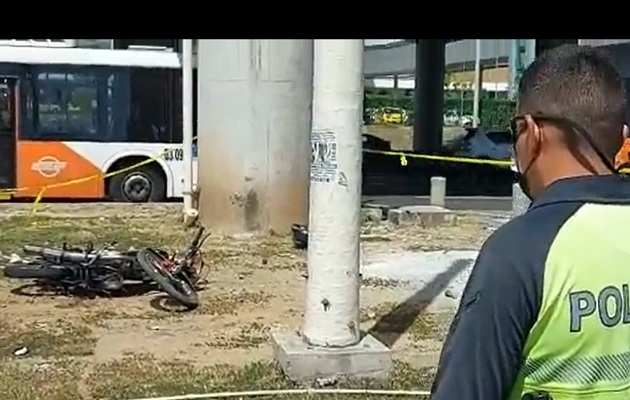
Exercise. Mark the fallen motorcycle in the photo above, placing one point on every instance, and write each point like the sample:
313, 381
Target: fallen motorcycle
105, 270
176, 276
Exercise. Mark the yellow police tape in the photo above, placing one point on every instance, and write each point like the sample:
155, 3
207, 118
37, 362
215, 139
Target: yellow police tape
403, 156
7, 192
469, 160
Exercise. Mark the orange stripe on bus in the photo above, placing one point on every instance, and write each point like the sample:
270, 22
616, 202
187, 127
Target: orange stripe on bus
45, 163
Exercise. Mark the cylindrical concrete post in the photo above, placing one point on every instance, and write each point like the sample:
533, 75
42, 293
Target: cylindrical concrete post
520, 202
332, 299
478, 88
255, 98
187, 122
438, 191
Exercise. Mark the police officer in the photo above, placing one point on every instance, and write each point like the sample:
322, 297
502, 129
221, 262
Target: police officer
546, 311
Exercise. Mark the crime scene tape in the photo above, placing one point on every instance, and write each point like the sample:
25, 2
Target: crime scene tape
41, 190
403, 156
468, 160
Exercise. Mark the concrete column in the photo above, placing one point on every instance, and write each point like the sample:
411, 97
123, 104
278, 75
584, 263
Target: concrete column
522, 53
478, 85
429, 95
332, 344
332, 295
254, 105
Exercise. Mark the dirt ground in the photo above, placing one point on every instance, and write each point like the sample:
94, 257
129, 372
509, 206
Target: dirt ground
140, 344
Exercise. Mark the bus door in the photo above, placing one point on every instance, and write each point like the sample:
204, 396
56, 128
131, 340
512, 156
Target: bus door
8, 132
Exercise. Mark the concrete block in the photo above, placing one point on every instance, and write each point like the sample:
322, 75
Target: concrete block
374, 212
301, 362
427, 216
438, 191
371, 214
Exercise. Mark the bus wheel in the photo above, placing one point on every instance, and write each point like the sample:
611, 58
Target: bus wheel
141, 185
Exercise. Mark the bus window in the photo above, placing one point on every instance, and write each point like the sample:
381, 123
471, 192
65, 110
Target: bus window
62, 104
103, 104
155, 113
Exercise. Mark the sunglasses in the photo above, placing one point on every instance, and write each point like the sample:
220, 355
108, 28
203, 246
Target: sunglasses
563, 123
566, 125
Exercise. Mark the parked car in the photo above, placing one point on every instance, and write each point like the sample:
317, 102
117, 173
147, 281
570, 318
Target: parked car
453, 118
481, 143
466, 121
368, 116
390, 115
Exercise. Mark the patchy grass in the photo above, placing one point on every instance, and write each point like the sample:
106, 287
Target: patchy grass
58, 339
48, 230
246, 337
394, 319
56, 366
381, 283
230, 303
59, 380
144, 376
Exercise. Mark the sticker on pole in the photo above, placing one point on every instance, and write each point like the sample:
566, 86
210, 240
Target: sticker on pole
323, 156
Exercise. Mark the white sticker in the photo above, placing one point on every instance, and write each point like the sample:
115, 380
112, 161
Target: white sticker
323, 156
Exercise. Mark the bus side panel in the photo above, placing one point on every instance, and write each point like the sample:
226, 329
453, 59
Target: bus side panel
46, 163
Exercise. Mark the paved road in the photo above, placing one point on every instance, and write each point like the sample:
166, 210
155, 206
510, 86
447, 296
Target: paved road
478, 203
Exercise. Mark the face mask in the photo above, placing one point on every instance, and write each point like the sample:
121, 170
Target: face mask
521, 176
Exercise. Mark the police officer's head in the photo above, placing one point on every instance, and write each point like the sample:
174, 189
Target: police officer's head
570, 117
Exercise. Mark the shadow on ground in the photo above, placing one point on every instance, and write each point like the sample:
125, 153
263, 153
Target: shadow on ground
47, 289
394, 324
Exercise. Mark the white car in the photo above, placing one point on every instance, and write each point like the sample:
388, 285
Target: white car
494, 144
452, 118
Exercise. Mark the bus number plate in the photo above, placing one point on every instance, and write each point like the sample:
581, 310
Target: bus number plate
174, 154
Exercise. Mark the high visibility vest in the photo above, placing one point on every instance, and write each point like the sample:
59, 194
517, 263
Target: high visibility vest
579, 346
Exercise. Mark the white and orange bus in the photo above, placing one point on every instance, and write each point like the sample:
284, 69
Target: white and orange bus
72, 113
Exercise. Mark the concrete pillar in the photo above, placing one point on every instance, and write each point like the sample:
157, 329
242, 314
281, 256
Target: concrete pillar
255, 100
522, 53
332, 344
429, 95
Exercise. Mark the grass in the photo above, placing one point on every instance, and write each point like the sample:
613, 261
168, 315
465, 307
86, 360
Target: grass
140, 376
272, 252
247, 336
59, 339
19, 230
59, 365
424, 325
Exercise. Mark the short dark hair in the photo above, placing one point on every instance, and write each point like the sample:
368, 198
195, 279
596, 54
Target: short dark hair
580, 84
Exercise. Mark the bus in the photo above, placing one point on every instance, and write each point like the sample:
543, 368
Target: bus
67, 114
